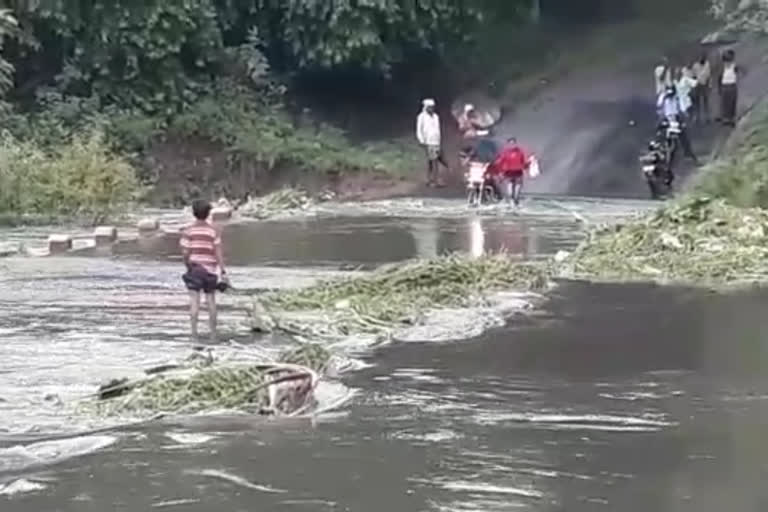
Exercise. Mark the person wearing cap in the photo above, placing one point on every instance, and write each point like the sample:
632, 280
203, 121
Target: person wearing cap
428, 135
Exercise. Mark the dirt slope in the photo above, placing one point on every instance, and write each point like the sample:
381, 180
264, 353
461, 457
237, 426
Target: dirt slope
580, 126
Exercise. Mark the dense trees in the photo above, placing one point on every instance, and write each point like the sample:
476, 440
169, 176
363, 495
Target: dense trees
153, 53
161, 52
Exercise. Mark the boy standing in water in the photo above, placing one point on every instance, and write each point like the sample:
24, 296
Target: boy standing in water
201, 249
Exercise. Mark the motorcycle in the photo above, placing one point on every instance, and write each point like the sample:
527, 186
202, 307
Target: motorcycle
656, 170
479, 188
477, 161
672, 130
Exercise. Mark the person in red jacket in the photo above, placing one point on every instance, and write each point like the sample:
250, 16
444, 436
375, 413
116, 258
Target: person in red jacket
510, 166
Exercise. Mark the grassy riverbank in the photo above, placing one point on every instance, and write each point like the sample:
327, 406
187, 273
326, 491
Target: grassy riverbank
740, 174
716, 233
77, 177
72, 158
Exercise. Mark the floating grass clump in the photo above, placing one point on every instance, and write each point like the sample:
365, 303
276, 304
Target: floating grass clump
697, 241
284, 387
397, 295
281, 201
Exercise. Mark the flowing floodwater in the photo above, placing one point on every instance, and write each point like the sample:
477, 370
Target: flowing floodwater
616, 398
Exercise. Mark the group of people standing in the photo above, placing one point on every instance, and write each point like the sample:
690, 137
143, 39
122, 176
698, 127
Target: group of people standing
692, 84
506, 167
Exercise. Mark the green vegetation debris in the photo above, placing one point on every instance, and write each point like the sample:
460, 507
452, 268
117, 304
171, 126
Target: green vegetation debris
280, 201
697, 241
201, 384
395, 296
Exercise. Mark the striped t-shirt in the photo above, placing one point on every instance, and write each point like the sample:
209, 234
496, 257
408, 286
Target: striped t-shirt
201, 240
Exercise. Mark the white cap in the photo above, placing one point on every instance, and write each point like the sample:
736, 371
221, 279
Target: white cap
469, 107
429, 102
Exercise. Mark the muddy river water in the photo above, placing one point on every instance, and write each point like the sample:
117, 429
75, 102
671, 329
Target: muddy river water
615, 398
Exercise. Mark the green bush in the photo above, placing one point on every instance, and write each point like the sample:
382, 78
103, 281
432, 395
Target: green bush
238, 119
741, 180
79, 178
740, 174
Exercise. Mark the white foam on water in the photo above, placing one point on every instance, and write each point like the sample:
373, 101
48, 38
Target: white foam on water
20, 486
476, 487
571, 208
478, 506
175, 503
330, 397
452, 324
237, 480
587, 421
631, 396
189, 439
438, 436
22, 456
417, 374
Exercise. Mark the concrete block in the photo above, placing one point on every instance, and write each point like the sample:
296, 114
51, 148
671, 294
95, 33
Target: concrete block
105, 235
58, 244
148, 225
221, 214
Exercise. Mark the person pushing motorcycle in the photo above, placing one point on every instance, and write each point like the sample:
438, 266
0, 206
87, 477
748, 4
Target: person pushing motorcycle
670, 111
510, 166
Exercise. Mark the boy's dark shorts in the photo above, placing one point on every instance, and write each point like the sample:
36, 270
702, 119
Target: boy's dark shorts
197, 279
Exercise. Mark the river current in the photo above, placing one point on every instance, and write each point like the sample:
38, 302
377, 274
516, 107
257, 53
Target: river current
607, 397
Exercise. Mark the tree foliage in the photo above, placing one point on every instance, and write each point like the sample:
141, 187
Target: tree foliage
374, 34
8, 28
741, 15
160, 54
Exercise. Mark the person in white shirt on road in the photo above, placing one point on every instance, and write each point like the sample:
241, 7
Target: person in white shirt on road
702, 71
428, 135
728, 85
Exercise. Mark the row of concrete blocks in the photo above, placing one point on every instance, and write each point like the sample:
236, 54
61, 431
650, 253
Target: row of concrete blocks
107, 235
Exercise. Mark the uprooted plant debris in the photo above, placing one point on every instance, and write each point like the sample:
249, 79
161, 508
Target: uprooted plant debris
395, 295
698, 241
281, 201
200, 383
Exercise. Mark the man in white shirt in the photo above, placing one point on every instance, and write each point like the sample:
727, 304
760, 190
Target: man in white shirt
428, 135
663, 76
729, 89
669, 110
702, 71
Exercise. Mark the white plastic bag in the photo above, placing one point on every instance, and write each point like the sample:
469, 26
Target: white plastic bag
477, 172
533, 168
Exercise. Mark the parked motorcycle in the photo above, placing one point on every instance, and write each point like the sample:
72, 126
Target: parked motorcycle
656, 170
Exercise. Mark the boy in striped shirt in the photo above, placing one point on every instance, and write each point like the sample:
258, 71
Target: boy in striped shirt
201, 249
